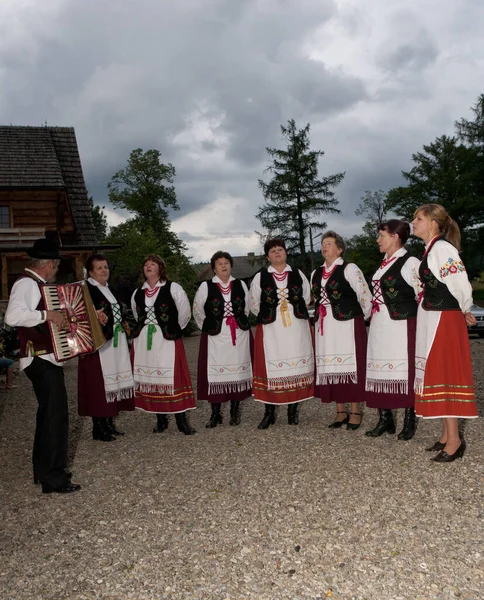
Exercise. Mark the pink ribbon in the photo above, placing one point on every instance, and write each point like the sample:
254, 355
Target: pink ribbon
322, 313
232, 323
419, 297
375, 307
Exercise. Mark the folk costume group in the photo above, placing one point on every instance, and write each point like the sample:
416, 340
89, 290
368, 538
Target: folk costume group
415, 357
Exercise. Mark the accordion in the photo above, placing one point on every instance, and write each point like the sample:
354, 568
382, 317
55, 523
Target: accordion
83, 334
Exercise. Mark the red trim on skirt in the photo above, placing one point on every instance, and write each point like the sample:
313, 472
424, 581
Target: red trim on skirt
91, 395
349, 392
183, 397
260, 378
202, 377
448, 382
394, 401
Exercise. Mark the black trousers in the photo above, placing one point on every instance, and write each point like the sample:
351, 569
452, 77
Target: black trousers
49, 455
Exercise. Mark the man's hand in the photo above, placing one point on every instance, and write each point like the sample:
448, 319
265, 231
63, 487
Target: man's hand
58, 318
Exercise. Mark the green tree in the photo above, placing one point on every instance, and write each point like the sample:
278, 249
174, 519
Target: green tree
100, 222
373, 207
472, 132
296, 197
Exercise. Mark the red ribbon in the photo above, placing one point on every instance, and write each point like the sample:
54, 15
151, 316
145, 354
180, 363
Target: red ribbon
232, 323
322, 313
420, 296
375, 307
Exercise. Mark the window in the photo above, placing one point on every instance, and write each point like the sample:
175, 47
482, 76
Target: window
4, 217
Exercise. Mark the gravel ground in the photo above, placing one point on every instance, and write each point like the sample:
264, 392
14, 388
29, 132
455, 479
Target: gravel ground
237, 513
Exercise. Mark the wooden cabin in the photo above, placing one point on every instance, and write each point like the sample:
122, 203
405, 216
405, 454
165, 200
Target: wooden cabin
42, 194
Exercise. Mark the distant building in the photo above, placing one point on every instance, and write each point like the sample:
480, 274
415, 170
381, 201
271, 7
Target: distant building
42, 194
245, 267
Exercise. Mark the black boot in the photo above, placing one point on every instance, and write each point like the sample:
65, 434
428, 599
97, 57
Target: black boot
235, 412
409, 425
99, 431
269, 417
183, 424
293, 414
111, 427
216, 416
385, 424
161, 423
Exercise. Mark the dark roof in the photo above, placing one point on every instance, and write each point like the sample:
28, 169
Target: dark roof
47, 158
244, 267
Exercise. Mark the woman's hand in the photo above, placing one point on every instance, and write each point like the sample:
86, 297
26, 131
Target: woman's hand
101, 316
470, 318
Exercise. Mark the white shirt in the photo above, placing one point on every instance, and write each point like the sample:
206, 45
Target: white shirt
179, 297
22, 311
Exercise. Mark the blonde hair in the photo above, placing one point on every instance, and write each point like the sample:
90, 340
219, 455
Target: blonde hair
447, 226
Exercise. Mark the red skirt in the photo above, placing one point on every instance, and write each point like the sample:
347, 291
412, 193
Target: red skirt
183, 397
261, 392
91, 396
349, 392
394, 401
202, 378
448, 381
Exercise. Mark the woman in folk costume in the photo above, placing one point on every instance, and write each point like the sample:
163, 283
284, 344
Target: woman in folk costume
444, 386
283, 353
390, 360
343, 302
160, 368
105, 380
221, 311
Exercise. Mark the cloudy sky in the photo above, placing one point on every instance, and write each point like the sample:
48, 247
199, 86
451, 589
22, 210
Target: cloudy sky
209, 82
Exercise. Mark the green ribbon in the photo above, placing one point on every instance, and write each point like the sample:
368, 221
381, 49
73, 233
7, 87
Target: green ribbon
117, 330
151, 331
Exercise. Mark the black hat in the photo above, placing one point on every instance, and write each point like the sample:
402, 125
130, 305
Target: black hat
45, 249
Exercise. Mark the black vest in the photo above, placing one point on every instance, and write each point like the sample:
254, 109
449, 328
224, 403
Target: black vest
436, 295
269, 300
166, 313
100, 301
398, 295
214, 307
342, 297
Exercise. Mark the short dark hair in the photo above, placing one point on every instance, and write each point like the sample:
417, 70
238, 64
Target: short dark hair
396, 226
272, 243
338, 240
156, 258
221, 254
92, 258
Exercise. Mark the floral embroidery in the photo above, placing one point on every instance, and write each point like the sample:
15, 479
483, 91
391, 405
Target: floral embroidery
451, 267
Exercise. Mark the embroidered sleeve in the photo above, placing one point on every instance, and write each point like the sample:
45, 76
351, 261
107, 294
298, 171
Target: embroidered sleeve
306, 288
199, 303
445, 263
355, 278
182, 304
247, 299
410, 274
255, 292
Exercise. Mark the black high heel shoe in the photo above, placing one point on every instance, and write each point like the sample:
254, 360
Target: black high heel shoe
353, 426
435, 447
338, 424
444, 457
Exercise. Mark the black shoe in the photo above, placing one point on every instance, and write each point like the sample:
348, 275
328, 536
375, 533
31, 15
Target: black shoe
353, 426
386, 424
293, 413
183, 424
68, 488
435, 447
37, 480
444, 457
235, 412
338, 424
269, 417
161, 423
111, 427
99, 431
216, 416
409, 425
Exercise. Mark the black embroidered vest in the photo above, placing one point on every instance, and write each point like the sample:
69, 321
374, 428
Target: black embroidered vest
397, 294
215, 304
166, 313
342, 297
36, 339
100, 301
436, 295
269, 300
